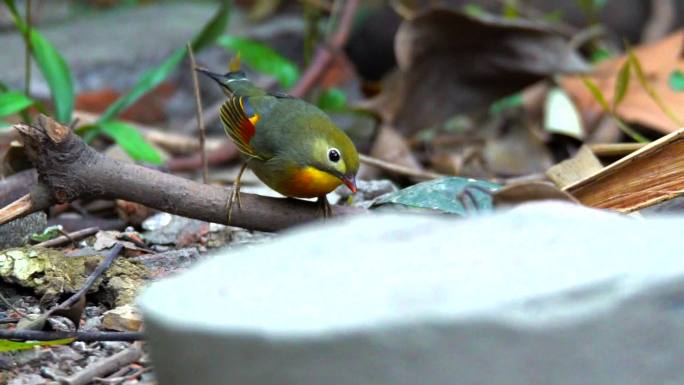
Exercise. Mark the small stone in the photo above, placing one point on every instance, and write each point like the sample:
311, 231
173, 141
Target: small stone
30, 356
79, 346
17, 232
157, 221
66, 353
114, 346
28, 379
123, 318
61, 324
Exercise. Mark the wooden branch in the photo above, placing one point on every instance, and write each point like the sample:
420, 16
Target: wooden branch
650, 175
104, 366
18, 208
68, 169
37, 335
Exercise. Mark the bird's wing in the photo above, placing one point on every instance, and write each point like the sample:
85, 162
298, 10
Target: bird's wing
239, 121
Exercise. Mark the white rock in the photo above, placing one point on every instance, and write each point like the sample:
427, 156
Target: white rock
544, 294
124, 318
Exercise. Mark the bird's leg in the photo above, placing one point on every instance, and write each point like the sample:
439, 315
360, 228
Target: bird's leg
235, 193
324, 207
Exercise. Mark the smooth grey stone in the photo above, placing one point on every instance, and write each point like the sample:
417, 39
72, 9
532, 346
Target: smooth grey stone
17, 232
544, 294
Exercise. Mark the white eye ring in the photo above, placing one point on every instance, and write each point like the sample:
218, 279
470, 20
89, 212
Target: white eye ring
334, 155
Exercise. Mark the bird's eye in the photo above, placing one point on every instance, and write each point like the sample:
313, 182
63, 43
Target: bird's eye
334, 155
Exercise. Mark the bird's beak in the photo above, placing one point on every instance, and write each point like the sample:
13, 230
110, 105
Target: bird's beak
217, 77
350, 181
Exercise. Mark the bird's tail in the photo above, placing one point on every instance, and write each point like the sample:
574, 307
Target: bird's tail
234, 82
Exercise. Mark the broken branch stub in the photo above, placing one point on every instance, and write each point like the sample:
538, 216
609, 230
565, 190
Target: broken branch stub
69, 169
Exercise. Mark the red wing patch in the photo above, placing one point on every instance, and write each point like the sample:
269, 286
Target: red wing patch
239, 121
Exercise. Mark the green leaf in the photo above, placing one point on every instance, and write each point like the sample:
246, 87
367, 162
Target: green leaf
596, 92
598, 95
507, 103
453, 195
12, 102
592, 6
9, 346
510, 10
676, 81
153, 77
147, 82
622, 84
214, 28
262, 58
131, 141
474, 10
52, 65
332, 99
561, 116
600, 54
50, 232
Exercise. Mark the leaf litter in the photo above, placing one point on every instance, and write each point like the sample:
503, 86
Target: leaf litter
485, 111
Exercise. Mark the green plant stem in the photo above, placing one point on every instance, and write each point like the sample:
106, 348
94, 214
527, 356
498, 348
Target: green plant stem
629, 131
27, 53
27, 60
652, 93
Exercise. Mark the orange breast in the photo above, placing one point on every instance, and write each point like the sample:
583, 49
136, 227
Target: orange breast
310, 182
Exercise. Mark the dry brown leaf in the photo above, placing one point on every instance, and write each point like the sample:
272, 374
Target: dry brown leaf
658, 60
392, 147
516, 194
571, 170
452, 63
648, 176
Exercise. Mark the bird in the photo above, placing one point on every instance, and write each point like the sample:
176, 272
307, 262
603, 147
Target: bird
290, 145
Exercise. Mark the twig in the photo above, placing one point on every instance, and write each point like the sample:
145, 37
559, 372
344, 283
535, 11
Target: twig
27, 53
9, 320
101, 268
324, 57
38, 335
662, 18
69, 169
18, 208
220, 155
615, 149
399, 169
177, 144
120, 379
10, 305
104, 366
200, 119
117, 374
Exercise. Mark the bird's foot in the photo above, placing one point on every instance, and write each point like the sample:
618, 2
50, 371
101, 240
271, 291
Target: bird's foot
324, 207
235, 194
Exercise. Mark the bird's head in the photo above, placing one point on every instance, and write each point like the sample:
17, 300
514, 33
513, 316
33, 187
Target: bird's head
334, 153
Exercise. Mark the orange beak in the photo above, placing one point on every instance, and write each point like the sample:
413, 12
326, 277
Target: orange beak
350, 181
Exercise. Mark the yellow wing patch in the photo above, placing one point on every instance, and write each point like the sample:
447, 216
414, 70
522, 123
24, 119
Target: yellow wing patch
239, 121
